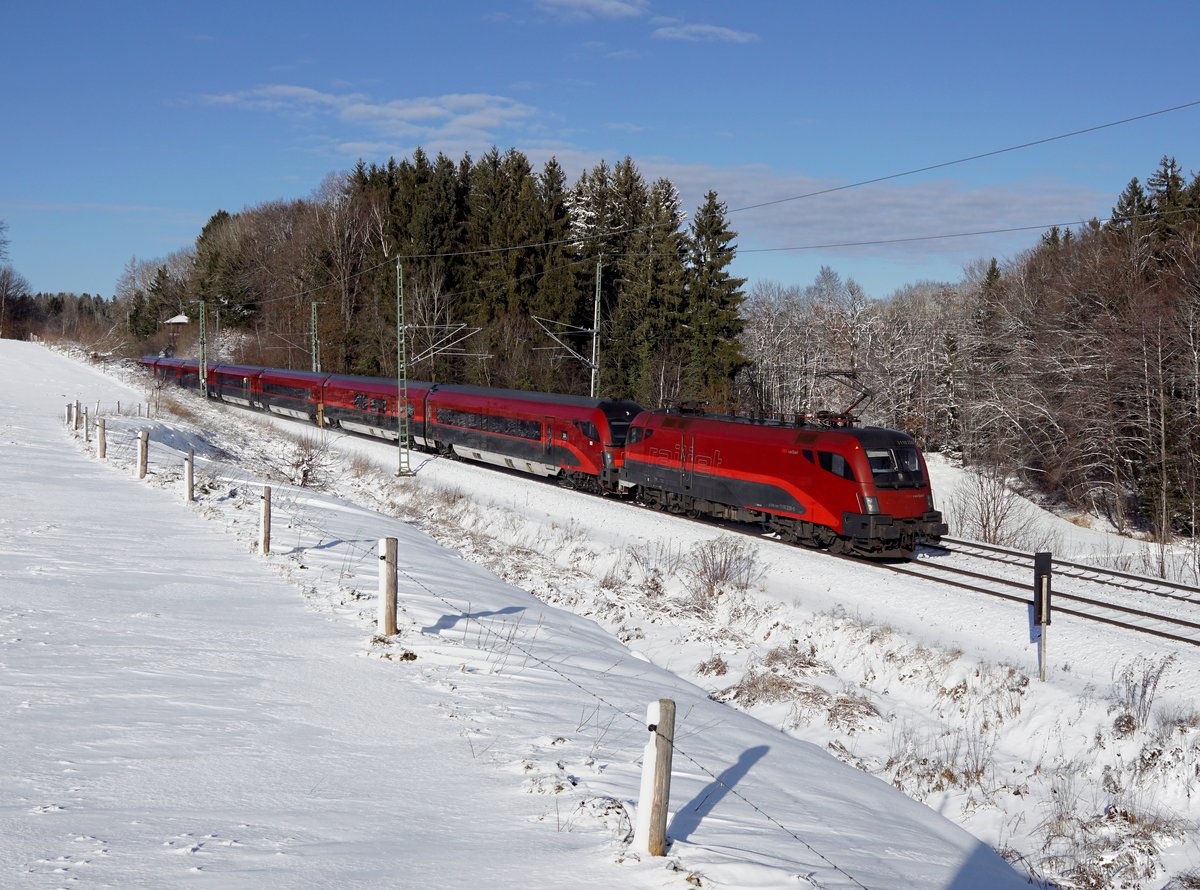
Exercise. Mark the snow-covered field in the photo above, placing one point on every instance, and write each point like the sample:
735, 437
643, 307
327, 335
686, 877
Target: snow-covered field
179, 709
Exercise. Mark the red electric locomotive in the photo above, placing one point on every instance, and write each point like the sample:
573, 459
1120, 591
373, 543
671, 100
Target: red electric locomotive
575, 438
864, 490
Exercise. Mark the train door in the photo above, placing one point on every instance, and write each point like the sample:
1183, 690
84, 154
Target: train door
687, 462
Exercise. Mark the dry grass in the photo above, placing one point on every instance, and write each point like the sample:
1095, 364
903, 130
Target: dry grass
766, 688
178, 408
713, 667
794, 660
721, 566
851, 712
360, 465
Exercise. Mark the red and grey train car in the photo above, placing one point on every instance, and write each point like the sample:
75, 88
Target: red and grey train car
845, 488
578, 439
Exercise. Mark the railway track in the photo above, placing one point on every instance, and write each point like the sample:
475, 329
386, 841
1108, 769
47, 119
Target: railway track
1152, 606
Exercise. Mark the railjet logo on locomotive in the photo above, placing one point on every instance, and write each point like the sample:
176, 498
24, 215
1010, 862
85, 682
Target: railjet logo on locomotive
820, 482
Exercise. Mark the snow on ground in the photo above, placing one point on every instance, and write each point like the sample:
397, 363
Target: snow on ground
179, 710
914, 686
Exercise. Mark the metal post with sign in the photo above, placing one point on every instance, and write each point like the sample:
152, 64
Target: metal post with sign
1041, 605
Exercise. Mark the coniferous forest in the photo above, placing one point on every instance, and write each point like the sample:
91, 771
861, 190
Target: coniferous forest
1073, 367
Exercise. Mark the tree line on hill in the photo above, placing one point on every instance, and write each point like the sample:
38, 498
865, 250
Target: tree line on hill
1074, 366
484, 248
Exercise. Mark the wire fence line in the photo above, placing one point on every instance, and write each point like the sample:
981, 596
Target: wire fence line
122, 450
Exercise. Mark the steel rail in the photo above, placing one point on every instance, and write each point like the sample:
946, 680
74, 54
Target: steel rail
1177, 622
1142, 584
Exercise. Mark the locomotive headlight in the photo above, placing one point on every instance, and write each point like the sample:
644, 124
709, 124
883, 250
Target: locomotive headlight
870, 503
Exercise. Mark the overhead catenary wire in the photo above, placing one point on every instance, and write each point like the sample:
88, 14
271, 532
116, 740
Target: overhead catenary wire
975, 157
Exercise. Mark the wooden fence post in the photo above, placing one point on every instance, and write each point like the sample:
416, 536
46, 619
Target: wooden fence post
143, 458
265, 523
189, 489
68, 413
387, 587
650, 834
101, 442
87, 427
76, 415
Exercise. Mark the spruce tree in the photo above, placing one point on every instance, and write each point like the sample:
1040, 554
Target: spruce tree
1166, 187
712, 303
657, 281
1131, 208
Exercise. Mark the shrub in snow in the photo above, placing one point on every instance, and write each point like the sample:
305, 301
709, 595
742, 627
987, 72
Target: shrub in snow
1134, 688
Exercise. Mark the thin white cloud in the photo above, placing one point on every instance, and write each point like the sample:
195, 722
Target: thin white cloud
419, 120
594, 9
699, 33
281, 98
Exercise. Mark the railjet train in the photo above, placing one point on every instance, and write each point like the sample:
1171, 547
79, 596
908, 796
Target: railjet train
819, 482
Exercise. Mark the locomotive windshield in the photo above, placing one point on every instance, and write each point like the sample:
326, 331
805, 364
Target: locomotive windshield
896, 467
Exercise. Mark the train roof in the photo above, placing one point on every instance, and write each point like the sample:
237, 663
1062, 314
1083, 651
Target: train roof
868, 436
351, 380
523, 395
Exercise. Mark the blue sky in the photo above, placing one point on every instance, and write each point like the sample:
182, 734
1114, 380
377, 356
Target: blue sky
126, 125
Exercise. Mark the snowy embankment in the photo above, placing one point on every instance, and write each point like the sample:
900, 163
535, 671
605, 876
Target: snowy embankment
176, 711
196, 694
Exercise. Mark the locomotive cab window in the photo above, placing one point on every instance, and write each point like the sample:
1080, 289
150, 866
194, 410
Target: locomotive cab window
836, 464
588, 429
898, 467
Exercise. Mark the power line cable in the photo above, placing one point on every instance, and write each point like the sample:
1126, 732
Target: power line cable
975, 157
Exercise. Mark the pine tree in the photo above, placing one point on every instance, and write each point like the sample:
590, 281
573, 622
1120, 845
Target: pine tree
657, 281
1132, 206
1166, 196
713, 298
